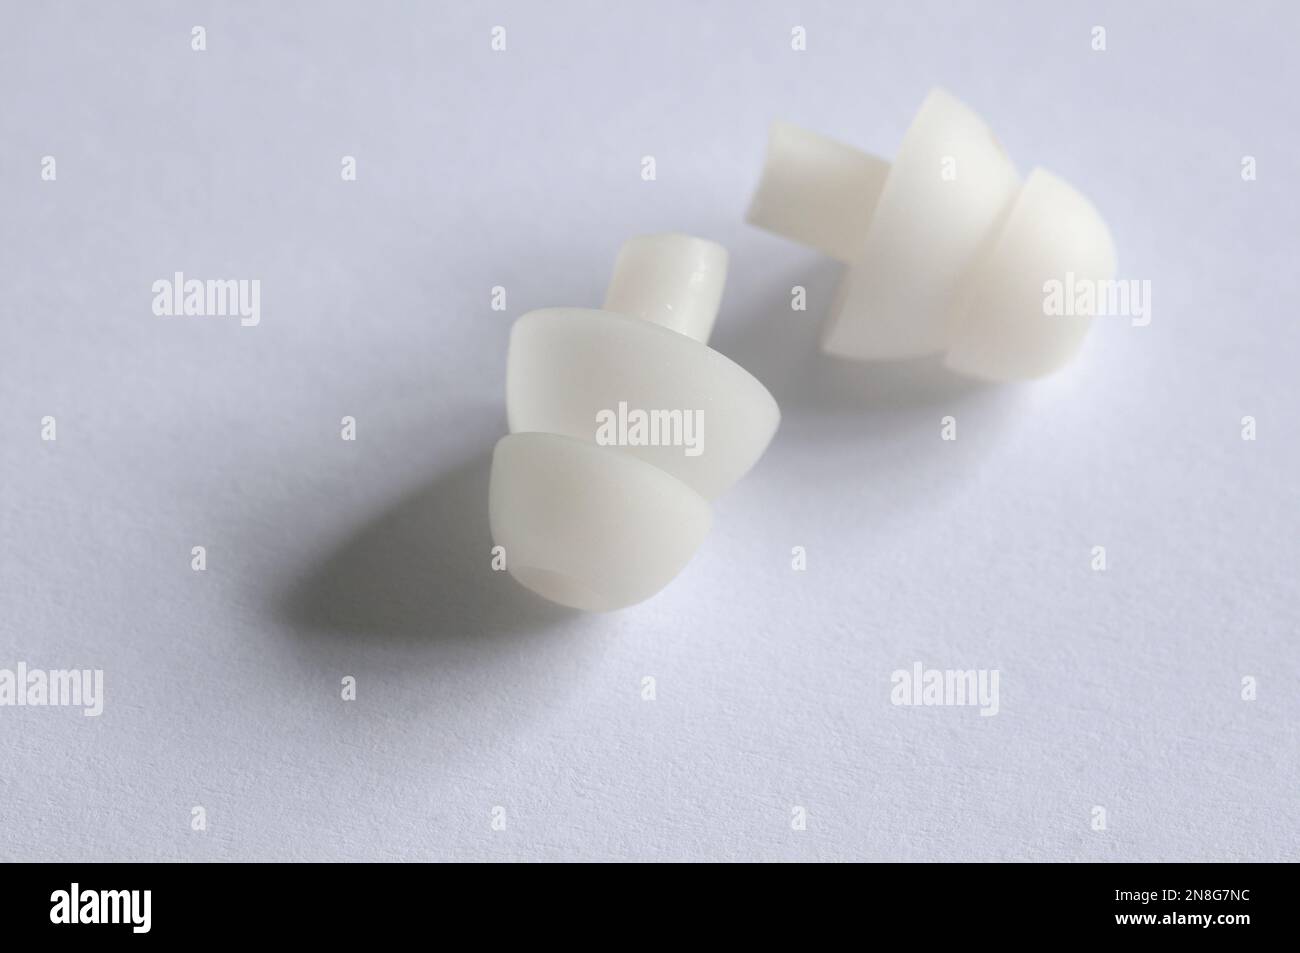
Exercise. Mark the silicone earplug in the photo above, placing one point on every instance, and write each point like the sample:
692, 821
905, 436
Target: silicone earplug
948, 252
624, 424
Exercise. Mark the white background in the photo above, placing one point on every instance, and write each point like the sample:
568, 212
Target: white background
327, 558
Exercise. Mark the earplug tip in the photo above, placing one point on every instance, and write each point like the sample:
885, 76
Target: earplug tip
589, 527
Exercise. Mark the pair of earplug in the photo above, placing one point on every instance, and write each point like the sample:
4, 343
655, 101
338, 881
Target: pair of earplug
624, 423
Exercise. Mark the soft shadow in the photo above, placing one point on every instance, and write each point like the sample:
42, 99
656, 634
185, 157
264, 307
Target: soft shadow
863, 438
419, 573
780, 347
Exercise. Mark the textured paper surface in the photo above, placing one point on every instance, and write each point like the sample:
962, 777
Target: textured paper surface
1119, 689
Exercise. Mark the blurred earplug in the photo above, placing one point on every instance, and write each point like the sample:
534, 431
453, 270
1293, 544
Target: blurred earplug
624, 424
947, 250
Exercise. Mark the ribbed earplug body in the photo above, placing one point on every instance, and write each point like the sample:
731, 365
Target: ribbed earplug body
929, 239
624, 425
587, 528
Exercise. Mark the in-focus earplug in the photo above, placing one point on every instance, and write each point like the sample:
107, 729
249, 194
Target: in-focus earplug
624, 424
948, 251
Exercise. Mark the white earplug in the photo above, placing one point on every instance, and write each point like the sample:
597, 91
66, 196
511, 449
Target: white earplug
948, 252
623, 425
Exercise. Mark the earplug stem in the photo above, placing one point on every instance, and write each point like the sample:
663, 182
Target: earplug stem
817, 191
671, 280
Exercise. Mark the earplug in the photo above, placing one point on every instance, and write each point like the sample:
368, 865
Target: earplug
624, 424
948, 251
